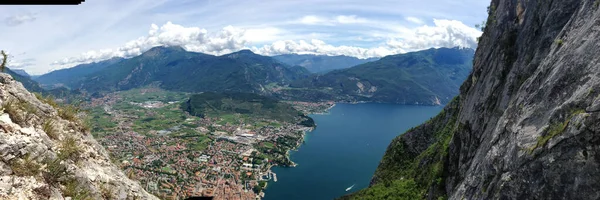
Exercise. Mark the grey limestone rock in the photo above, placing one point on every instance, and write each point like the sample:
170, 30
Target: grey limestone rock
27, 140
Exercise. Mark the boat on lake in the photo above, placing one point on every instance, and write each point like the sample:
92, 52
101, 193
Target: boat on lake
349, 188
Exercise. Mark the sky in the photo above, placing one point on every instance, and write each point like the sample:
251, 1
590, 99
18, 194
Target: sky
40, 39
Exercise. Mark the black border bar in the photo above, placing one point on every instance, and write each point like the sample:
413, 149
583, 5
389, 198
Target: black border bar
41, 2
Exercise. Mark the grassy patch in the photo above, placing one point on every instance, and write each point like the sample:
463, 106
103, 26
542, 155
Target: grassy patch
25, 166
229, 119
19, 111
68, 112
76, 190
200, 143
404, 189
559, 42
48, 99
13, 112
151, 94
107, 191
268, 145
100, 121
48, 128
275, 124
555, 129
167, 169
158, 118
55, 171
69, 149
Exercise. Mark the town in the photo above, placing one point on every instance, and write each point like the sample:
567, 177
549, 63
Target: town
175, 155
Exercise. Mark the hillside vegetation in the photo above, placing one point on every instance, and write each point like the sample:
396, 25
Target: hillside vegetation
173, 68
256, 106
321, 63
428, 77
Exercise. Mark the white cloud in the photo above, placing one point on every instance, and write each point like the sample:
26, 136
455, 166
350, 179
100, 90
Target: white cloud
350, 19
19, 64
169, 34
263, 34
19, 19
444, 33
13, 63
314, 20
70, 30
330, 21
320, 47
414, 20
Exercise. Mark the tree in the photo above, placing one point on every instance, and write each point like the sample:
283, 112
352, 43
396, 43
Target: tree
4, 58
257, 189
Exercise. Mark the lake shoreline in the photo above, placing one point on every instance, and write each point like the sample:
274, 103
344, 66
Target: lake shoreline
304, 132
343, 152
299, 143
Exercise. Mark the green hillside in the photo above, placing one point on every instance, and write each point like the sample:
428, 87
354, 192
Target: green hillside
431, 76
254, 105
175, 69
321, 63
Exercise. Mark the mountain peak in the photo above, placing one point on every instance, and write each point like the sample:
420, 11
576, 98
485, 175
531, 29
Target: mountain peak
21, 72
245, 51
163, 49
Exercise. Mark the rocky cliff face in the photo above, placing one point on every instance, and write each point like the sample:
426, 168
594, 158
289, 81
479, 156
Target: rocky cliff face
47, 153
526, 124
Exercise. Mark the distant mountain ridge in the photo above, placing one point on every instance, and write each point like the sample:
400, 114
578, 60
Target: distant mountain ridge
174, 68
21, 72
321, 63
70, 76
429, 77
25, 80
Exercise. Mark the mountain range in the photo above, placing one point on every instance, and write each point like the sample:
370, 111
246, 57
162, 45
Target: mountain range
321, 63
27, 82
21, 72
429, 77
173, 68
70, 76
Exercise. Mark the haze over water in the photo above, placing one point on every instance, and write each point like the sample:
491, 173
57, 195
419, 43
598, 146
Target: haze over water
344, 149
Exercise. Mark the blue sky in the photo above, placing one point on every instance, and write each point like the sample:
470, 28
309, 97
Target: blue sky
44, 38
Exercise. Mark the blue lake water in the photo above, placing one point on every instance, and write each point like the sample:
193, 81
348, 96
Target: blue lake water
344, 149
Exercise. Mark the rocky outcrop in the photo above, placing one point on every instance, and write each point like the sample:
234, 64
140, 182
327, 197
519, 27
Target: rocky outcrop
46, 152
527, 119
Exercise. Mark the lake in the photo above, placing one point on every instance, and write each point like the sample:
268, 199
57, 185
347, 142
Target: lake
344, 149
